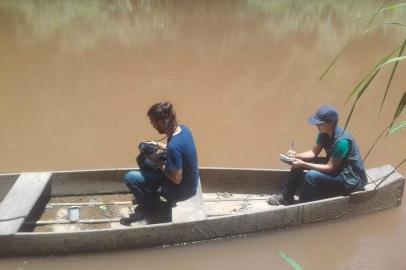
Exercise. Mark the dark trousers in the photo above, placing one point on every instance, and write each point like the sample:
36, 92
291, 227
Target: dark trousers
313, 185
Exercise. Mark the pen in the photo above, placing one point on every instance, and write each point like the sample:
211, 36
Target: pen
292, 150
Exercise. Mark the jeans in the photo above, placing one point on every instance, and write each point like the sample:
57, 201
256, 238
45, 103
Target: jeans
148, 185
315, 185
318, 185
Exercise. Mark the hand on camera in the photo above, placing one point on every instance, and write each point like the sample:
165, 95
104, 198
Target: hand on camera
152, 143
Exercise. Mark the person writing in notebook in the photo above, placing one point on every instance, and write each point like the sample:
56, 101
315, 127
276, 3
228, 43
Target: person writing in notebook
340, 172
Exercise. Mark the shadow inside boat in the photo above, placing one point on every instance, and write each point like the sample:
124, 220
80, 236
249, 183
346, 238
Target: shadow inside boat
160, 213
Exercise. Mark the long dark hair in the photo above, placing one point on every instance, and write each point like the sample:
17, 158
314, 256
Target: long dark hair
164, 111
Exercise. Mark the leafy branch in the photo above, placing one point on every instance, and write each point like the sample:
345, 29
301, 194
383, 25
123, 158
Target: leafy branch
390, 58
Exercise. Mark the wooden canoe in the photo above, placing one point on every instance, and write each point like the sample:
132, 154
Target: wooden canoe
34, 215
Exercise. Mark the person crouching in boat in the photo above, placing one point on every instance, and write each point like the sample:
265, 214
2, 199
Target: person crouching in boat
340, 172
174, 175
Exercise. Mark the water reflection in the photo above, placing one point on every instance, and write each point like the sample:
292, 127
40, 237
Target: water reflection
82, 25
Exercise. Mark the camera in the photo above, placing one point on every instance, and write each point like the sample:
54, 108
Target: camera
148, 149
150, 156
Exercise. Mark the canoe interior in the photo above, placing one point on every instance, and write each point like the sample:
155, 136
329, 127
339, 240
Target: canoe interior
103, 198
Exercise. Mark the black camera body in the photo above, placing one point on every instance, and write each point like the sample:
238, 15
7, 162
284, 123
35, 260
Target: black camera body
147, 149
149, 157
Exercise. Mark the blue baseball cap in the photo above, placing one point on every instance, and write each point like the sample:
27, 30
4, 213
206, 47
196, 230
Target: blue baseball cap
326, 113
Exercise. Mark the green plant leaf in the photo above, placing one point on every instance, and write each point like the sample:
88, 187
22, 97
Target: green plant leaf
377, 12
292, 262
369, 74
353, 40
397, 128
394, 6
393, 60
336, 58
399, 110
375, 142
359, 96
401, 106
382, 24
391, 75
369, 79
382, 9
394, 129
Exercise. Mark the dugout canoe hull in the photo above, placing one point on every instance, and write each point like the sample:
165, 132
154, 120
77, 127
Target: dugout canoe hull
249, 181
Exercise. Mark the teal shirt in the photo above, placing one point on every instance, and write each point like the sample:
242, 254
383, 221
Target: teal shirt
340, 151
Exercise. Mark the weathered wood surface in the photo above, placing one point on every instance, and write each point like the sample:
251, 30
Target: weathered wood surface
69, 183
191, 209
6, 182
388, 195
20, 200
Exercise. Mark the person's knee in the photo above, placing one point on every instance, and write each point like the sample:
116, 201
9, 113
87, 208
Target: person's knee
133, 178
294, 170
127, 178
311, 178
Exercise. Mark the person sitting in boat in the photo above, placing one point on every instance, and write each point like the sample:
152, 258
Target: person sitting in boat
340, 172
174, 175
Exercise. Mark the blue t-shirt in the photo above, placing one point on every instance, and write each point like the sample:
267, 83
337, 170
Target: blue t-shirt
182, 155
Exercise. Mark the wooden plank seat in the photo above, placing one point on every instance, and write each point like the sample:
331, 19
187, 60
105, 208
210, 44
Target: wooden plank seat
21, 199
191, 209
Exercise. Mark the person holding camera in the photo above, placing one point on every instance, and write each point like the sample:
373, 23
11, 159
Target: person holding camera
168, 170
340, 172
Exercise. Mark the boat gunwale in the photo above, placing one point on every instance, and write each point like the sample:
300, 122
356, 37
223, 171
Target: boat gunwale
136, 168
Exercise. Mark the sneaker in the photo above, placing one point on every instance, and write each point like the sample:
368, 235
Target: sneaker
277, 199
154, 200
139, 214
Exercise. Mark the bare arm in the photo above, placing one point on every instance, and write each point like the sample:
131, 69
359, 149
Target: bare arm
310, 154
331, 165
174, 176
160, 145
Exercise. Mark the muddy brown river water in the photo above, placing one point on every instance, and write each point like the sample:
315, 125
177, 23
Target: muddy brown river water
77, 77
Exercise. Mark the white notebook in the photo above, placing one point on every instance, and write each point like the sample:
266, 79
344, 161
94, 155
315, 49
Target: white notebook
286, 159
